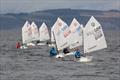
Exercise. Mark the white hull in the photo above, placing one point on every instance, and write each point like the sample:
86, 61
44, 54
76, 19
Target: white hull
85, 59
51, 45
31, 44
61, 55
40, 44
28, 45
23, 47
82, 59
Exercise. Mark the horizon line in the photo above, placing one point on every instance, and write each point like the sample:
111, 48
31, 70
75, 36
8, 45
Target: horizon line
57, 9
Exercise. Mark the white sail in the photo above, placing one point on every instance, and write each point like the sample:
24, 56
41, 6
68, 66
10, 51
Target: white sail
60, 33
75, 38
35, 33
44, 34
26, 33
93, 36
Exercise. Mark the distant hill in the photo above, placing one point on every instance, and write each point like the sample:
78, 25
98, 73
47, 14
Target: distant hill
108, 19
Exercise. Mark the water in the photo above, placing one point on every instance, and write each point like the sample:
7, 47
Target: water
35, 64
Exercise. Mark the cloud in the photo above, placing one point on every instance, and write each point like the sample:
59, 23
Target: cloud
34, 5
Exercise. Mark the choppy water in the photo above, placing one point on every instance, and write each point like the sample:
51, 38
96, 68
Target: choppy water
35, 64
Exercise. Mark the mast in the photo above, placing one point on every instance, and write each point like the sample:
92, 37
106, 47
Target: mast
82, 36
55, 42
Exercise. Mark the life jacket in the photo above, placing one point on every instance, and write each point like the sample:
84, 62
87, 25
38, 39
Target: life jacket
77, 54
17, 45
53, 52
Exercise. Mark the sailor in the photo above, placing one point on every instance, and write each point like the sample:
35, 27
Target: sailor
53, 52
65, 50
17, 45
77, 54
48, 43
37, 42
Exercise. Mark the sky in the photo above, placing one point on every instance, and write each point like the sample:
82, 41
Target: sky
16, 6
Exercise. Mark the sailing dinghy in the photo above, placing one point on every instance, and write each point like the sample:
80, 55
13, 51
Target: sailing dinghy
59, 35
43, 34
74, 38
94, 39
26, 35
33, 35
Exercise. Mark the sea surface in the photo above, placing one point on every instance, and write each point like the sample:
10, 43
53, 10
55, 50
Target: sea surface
35, 63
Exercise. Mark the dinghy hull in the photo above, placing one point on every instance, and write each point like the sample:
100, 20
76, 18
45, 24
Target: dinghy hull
61, 55
85, 59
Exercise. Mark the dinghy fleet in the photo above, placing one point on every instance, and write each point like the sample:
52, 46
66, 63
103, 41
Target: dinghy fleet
31, 36
90, 37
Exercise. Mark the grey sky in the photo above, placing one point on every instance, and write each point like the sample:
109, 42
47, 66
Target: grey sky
15, 6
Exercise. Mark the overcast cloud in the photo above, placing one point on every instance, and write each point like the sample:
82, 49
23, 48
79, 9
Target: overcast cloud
16, 6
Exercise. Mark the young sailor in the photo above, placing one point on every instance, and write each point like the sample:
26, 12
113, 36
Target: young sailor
77, 55
17, 45
65, 51
53, 52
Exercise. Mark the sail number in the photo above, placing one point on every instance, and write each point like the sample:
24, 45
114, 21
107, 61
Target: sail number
96, 32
